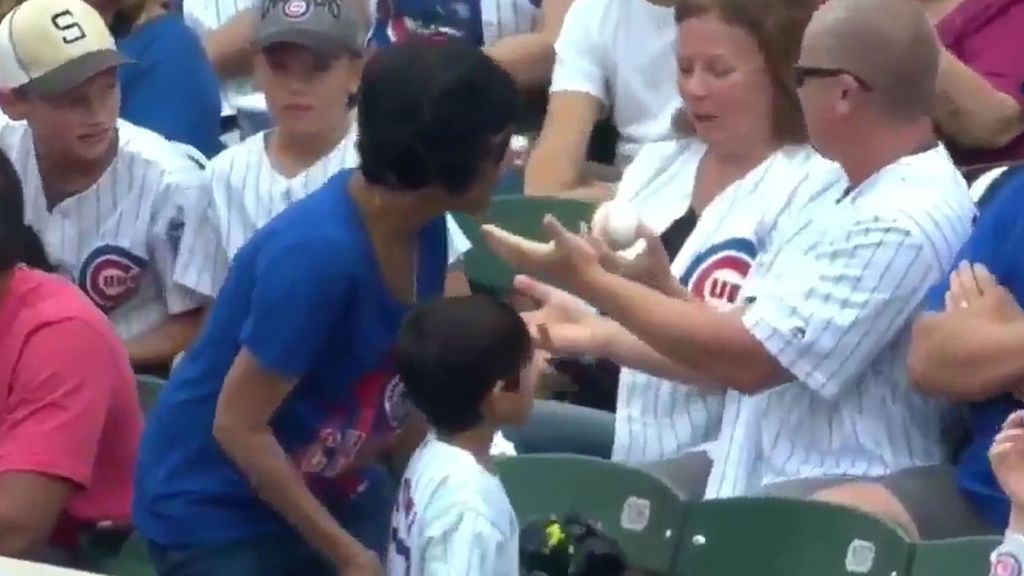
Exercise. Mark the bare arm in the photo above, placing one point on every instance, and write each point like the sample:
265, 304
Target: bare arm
530, 57
30, 505
625, 349
557, 161
971, 111
159, 346
950, 360
230, 47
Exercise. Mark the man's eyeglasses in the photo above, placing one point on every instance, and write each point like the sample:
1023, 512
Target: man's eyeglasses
801, 74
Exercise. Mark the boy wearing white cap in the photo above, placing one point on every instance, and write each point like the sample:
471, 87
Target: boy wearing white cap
106, 197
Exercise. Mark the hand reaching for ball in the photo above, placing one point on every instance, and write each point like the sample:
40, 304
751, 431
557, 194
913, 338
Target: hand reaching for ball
629, 248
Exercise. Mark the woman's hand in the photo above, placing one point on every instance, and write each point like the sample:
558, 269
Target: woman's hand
562, 325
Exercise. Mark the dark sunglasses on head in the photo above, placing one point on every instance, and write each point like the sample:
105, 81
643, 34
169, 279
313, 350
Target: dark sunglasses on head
801, 74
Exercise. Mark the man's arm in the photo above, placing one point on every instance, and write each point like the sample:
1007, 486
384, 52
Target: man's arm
230, 46
51, 428
622, 347
159, 346
973, 110
530, 57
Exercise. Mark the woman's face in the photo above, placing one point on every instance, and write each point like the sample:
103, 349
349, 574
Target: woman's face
723, 80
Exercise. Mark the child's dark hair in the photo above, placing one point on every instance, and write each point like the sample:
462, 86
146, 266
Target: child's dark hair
433, 113
453, 352
18, 242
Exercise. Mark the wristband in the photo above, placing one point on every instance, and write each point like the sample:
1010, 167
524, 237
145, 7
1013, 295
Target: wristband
1008, 558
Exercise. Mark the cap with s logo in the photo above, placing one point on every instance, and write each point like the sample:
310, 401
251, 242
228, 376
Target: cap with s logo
331, 28
48, 47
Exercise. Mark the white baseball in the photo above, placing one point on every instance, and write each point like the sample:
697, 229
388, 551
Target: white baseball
616, 223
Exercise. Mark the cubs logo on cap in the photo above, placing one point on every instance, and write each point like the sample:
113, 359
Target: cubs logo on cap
716, 275
295, 9
110, 276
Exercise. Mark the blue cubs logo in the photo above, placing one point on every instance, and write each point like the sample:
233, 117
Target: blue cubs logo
717, 273
110, 276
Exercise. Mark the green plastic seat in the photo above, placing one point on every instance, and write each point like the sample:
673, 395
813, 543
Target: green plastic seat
522, 215
634, 508
959, 557
132, 559
149, 389
783, 537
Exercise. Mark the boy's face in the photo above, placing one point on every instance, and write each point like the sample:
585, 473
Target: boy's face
306, 92
78, 125
506, 407
477, 199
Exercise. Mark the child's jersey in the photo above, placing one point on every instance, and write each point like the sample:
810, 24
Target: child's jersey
452, 517
118, 239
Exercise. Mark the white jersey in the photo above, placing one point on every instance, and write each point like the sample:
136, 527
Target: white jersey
621, 52
245, 192
452, 517
118, 240
833, 299
656, 418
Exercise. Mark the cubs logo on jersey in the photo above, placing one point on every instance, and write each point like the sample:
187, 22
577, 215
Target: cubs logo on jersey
717, 273
110, 275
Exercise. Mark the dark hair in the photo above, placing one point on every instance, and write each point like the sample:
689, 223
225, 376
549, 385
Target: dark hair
18, 242
452, 352
778, 28
433, 113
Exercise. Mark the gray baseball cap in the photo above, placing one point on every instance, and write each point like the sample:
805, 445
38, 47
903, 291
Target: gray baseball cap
332, 28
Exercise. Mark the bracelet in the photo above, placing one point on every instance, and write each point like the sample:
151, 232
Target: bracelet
1008, 558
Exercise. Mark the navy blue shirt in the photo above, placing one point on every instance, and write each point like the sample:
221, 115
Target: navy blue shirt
305, 296
171, 88
996, 242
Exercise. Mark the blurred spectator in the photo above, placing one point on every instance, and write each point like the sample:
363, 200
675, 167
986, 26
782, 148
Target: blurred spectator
981, 78
70, 419
612, 56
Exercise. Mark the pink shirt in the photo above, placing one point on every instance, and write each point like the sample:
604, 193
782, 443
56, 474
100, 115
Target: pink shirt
988, 36
68, 403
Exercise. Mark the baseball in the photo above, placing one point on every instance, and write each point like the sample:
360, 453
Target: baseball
616, 224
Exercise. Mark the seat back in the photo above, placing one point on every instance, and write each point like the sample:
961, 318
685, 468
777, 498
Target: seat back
635, 509
129, 559
522, 215
149, 390
783, 537
959, 557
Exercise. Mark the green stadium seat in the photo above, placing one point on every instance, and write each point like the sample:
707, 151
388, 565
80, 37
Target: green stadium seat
149, 388
521, 215
630, 506
102, 557
782, 537
959, 557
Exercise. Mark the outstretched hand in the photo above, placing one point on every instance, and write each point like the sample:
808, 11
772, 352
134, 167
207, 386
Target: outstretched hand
650, 265
562, 325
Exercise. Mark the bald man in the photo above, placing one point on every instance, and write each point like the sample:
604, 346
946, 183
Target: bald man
818, 402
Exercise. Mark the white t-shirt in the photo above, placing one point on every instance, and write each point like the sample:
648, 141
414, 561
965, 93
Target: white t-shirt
833, 300
655, 418
118, 240
622, 53
245, 192
452, 517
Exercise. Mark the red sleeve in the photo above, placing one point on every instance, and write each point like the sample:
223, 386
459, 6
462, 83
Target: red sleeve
991, 44
58, 402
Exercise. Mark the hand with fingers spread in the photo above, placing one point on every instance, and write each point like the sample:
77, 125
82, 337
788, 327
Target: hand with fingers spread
1007, 458
567, 260
562, 325
649, 266
973, 289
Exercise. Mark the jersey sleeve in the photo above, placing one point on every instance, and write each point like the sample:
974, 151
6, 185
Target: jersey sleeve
166, 233
58, 405
458, 243
826, 314
300, 295
580, 52
470, 546
202, 263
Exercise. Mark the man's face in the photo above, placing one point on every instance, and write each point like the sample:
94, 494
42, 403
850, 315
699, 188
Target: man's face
816, 94
306, 92
79, 124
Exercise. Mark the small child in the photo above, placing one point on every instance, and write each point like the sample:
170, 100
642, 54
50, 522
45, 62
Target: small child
469, 367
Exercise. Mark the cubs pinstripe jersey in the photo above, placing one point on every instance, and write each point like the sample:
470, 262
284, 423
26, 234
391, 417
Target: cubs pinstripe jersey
118, 239
245, 192
655, 418
452, 516
832, 300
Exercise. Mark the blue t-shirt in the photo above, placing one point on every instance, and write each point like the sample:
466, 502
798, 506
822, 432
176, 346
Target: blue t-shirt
306, 297
995, 242
171, 88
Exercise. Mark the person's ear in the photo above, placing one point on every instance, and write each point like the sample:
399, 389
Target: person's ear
13, 104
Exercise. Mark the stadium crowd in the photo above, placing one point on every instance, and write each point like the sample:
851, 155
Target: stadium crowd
816, 293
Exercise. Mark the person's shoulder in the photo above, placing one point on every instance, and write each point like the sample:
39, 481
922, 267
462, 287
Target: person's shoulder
148, 152
659, 162
457, 484
12, 132
46, 299
240, 153
319, 226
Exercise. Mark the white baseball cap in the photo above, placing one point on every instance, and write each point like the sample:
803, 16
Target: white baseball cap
51, 46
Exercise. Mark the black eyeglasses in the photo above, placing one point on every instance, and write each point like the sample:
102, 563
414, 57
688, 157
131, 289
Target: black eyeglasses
801, 74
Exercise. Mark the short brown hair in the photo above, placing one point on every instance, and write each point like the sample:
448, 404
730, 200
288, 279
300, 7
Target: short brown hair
778, 28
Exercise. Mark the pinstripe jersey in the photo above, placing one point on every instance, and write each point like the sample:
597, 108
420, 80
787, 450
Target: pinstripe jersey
655, 418
245, 192
452, 516
118, 239
832, 300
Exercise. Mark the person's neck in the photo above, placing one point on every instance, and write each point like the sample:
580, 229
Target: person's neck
63, 178
875, 149
476, 441
297, 152
393, 215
